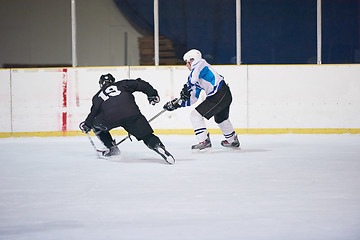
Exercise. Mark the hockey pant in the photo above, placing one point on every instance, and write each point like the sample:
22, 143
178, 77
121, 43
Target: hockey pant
136, 125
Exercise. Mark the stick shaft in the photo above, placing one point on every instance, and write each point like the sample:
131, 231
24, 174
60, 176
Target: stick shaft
151, 119
92, 143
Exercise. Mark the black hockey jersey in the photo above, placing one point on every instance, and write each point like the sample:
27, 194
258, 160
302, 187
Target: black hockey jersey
116, 101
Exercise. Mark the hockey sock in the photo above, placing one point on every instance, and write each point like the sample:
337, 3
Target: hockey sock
227, 129
106, 138
199, 126
151, 141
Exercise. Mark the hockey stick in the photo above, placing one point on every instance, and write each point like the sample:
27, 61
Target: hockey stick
93, 144
91, 141
151, 119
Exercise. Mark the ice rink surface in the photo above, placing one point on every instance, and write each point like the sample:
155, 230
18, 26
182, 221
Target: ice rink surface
277, 187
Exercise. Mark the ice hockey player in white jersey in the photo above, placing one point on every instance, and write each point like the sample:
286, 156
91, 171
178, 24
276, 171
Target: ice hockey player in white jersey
203, 77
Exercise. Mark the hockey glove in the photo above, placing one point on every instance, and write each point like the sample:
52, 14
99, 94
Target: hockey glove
84, 128
185, 94
154, 98
171, 105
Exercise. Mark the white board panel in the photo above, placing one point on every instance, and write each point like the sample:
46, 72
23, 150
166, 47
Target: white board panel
37, 96
5, 98
236, 78
314, 96
162, 79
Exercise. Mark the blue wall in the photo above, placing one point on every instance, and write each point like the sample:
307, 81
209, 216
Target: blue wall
273, 31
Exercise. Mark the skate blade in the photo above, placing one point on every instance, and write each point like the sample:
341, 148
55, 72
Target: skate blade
204, 150
110, 158
166, 156
232, 147
170, 159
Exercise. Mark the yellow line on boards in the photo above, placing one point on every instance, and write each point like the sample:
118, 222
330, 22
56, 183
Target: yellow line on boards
190, 132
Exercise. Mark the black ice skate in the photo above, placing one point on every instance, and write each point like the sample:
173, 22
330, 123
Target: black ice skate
160, 149
202, 145
111, 152
234, 144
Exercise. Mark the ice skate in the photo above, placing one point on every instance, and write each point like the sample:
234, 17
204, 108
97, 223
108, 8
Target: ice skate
160, 149
234, 144
202, 146
111, 152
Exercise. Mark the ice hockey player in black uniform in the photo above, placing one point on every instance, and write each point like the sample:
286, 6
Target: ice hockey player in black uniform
114, 106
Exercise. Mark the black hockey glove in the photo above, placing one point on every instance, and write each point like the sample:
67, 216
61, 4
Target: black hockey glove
84, 128
171, 105
154, 99
185, 94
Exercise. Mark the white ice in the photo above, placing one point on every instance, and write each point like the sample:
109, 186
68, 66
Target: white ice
278, 187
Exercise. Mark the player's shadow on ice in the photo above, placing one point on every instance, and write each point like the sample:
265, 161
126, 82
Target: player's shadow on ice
128, 158
147, 160
253, 150
234, 151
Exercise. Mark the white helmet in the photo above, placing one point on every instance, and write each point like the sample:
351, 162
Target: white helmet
192, 54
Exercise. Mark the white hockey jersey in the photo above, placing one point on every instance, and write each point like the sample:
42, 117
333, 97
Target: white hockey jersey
202, 77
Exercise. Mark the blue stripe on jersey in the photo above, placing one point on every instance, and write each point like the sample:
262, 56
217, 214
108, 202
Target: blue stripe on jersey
197, 93
207, 75
216, 88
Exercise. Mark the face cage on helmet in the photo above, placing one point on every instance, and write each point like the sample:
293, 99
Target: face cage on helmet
105, 82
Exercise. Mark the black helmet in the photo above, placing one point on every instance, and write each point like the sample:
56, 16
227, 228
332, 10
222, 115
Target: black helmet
106, 79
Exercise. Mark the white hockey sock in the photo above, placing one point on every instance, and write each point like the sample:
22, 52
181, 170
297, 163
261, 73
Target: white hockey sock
199, 126
227, 129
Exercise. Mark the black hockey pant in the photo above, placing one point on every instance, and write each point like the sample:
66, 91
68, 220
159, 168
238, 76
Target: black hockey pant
217, 106
136, 125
